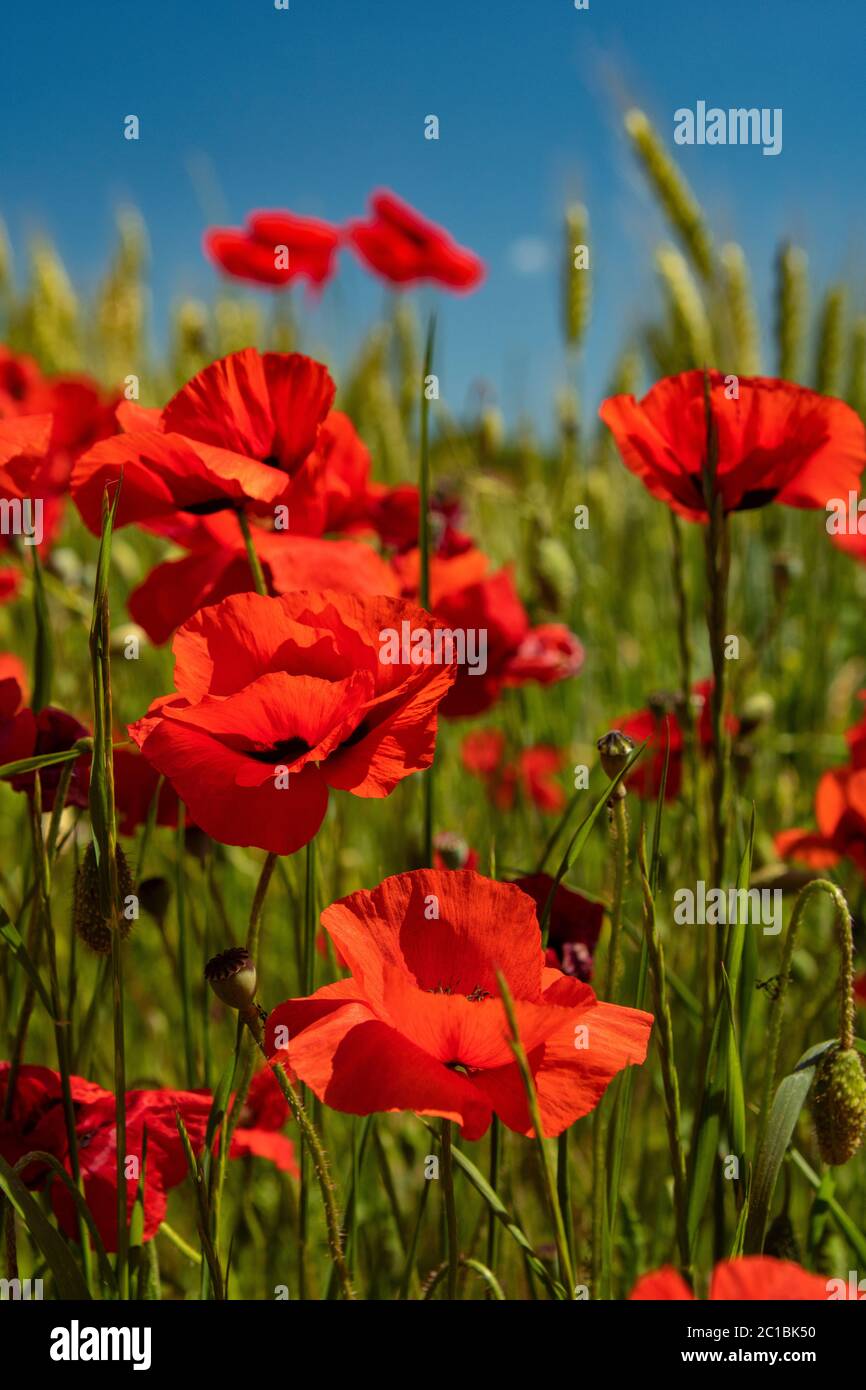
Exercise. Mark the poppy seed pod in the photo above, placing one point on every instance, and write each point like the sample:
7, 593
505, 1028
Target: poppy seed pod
232, 977
91, 924
615, 749
839, 1105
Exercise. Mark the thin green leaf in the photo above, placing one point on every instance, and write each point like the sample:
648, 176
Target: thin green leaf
70, 1281
785, 1110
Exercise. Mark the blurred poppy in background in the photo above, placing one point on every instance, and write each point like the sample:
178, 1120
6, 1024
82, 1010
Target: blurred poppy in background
274, 249
403, 247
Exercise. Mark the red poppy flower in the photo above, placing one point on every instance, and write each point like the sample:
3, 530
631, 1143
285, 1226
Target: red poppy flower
20, 379
395, 513
419, 1024
164, 1163
451, 851
38, 1123
36, 1107
466, 598
27, 734
24, 440
532, 772
659, 723
76, 413
403, 247
482, 752
777, 442
240, 434
574, 924
753, 1278
13, 685
10, 584
264, 1113
80, 412
257, 253
840, 811
856, 738
217, 566
280, 700
860, 988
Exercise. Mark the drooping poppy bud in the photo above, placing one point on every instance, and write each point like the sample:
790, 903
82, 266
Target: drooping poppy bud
91, 923
839, 1105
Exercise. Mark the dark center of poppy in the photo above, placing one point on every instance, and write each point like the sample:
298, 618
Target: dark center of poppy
272, 461
757, 497
286, 751
356, 735
208, 508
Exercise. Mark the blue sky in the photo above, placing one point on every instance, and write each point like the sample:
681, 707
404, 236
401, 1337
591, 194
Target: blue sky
244, 106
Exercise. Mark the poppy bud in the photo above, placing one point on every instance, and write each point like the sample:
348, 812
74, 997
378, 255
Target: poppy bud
839, 1104
154, 894
615, 748
452, 849
91, 924
232, 977
756, 710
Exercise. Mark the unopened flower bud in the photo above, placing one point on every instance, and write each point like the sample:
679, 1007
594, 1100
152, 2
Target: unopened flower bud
756, 710
615, 749
452, 849
232, 977
91, 923
839, 1104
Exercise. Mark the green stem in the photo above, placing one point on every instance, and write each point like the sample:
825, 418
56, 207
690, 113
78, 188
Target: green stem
61, 1025
179, 1243
254, 928
313, 1143
718, 561
252, 556
230, 1123
619, 841
492, 1222
566, 1269
812, 890
665, 1035
409, 1265
307, 986
183, 954
450, 1210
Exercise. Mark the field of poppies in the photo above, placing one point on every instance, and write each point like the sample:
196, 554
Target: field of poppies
433, 855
